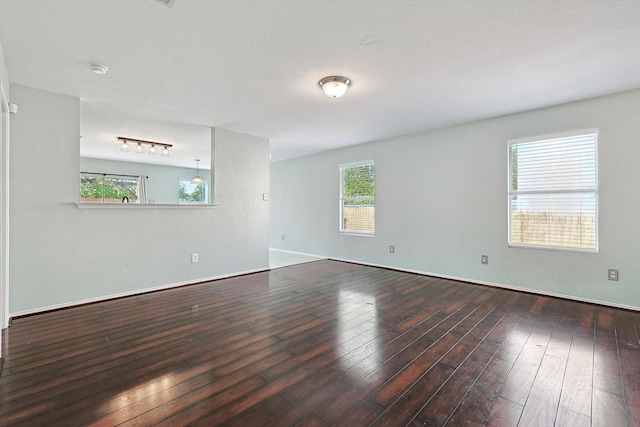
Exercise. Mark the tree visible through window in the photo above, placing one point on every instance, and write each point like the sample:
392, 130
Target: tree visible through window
357, 198
192, 193
106, 188
553, 194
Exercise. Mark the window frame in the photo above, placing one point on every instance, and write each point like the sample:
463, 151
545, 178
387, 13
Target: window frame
574, 190
342, 198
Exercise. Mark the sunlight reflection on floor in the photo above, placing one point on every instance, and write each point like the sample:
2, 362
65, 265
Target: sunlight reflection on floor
357, 325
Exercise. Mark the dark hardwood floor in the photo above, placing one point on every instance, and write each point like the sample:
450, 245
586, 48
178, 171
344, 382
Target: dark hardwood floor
325, 343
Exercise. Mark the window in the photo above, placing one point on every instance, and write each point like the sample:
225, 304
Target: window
108, 188
193, 193
357, 191
553, 192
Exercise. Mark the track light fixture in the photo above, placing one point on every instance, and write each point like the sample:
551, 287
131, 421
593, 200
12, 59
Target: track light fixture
140, 143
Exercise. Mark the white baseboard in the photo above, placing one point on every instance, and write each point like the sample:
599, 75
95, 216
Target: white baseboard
299, 253
130, 293
407, 270
495, 285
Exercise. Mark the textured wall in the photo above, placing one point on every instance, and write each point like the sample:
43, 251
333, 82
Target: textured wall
61, 255
441, 200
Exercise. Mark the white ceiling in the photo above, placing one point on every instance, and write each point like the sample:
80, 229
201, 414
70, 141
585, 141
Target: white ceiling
253, 66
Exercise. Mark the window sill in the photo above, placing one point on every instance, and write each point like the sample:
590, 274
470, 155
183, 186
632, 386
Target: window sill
353, 233
553, 248
143, 206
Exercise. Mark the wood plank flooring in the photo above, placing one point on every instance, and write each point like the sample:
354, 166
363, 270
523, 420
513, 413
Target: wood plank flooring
325, 343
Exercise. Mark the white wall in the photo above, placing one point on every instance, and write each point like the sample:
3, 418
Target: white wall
441, 200
162, 182
4, 75
4, 163
61, 255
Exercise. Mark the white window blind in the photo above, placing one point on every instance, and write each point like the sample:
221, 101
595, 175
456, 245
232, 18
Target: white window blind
357, 198
553, 192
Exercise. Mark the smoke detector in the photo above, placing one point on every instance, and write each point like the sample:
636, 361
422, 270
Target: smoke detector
167, 3
99, 69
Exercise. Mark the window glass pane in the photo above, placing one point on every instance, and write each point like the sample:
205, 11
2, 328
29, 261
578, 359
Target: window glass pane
193, 193
357, 198
558, 220
97, 188
358, 218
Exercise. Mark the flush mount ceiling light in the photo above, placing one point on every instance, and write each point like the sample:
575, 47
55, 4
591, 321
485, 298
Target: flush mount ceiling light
99, 69
334, 86
140, 143
197, 179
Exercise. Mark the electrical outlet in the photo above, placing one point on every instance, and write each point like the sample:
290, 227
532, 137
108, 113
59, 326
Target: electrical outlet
613, 274
484, 259
265, 197
194, 257
392, 249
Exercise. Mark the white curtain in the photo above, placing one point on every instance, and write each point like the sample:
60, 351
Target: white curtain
142, 189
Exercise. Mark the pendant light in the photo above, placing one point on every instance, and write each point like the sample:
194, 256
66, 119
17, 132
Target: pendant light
197, 179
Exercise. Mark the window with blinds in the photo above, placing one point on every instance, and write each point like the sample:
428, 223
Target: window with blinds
357, 198
553, 192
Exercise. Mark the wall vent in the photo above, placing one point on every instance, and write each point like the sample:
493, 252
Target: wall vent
167, 3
